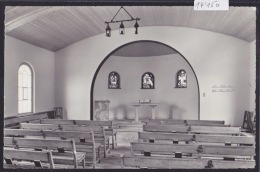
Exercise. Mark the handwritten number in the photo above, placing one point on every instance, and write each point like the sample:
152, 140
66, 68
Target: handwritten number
207, 5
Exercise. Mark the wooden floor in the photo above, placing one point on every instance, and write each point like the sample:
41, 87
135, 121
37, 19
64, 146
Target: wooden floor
113, 160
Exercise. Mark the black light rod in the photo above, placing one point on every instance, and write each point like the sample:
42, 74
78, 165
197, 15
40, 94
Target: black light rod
122, 20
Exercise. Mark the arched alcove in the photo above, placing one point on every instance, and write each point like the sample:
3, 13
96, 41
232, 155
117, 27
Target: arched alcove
134, 59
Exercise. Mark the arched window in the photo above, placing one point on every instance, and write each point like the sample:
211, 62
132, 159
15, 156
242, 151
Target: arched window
181, 79
25, 88
113, 80
148, 81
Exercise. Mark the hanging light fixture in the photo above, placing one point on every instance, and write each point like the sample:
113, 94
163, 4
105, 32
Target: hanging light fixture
108, 31
121, 26
136, 27
121, 29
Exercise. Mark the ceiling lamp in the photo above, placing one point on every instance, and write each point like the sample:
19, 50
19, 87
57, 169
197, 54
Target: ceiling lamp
108, 31
121, 29
121, 26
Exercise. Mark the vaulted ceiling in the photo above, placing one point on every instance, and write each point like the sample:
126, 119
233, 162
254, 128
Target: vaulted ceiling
56, 27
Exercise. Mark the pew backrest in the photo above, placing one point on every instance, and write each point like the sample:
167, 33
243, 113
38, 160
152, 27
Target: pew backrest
199, 138
77, 122
185, 124
179, 121
205, 122
11, 154
193, 129
48, 133
213, 150
57, 121
227, 139
153, 121
39, 143
166, 128
95, 123
154, 136
13, 122
98, 130
40, 126
182, 163
215, 130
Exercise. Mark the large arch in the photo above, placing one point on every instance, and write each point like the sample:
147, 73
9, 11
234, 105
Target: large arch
124, 45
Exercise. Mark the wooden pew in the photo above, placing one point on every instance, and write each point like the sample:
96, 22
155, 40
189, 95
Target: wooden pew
65, 154
165, 121
84, 141
225, 139
189, 122
197, 151
100, 136
213, 125
185, 124
193, 129
182, 163
166, 128
109, 124
201, 122
13, 122
152, 155
38, 157
40, 126
156, 137
216, 130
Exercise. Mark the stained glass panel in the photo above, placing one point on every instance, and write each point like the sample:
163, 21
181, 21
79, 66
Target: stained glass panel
114, 80
181, 79
148, 81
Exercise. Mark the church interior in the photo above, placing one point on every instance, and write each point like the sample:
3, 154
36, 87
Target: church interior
110, 87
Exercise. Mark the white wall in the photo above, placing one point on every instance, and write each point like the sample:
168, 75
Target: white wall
252, 76
174, 103
42, 61
216, 59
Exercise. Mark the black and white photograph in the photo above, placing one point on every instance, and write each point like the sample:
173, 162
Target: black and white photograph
130, 87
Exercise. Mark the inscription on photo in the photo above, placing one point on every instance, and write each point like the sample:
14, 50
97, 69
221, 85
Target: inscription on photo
211, 5
223, 88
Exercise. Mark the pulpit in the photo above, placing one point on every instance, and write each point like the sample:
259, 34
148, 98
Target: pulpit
101, 110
